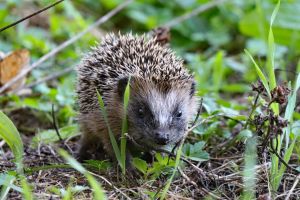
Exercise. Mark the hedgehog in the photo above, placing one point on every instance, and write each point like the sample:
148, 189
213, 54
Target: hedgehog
162, 97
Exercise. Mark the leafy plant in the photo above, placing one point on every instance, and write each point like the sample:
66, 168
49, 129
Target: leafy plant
12, 137
277, 171
50, 136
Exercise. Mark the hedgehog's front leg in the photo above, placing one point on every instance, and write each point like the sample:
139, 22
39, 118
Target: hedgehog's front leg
91, 145
130, 169
89, 148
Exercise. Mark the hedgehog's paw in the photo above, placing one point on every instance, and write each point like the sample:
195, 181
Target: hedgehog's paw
133, 173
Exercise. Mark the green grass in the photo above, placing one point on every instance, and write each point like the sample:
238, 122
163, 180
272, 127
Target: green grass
111, 134
12, 137
124, 125
120, 152
277, 169
10, 134
95, 185
249, 173
177, 161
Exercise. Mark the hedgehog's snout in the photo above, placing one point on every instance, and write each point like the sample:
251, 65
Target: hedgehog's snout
161, 137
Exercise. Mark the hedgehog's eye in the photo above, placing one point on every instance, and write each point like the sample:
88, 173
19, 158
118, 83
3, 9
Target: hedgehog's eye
178, 114
141, 112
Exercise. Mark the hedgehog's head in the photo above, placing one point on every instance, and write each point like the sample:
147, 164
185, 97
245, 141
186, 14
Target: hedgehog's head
158, 111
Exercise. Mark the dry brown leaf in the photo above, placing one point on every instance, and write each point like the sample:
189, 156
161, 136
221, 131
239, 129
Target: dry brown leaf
11, 65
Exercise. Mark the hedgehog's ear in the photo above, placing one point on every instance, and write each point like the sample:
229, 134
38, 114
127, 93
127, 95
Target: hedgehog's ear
193, 89
122, 83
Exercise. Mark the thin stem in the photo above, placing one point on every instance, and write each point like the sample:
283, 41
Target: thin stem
193, 13
54, 124
31, 15
254, 106
64, 45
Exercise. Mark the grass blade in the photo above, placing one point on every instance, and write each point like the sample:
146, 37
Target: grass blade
111, 135
260, 74
290, 109
218, 71
271, 50
177, 161
124, 126
27, 194
11, 136
97, 189
249, 175
292, 101
6, 182
270, 57
278, 176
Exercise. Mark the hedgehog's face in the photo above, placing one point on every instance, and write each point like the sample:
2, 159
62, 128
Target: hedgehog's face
159, 118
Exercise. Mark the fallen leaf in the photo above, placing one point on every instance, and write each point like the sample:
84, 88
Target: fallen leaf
11, 65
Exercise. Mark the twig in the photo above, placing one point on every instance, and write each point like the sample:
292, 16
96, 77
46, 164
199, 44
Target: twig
64, 45
195, 184
267, 173
293, 187
31, 15
54, 124
110, 184
193, 13
254, 106
186, 177
47, 78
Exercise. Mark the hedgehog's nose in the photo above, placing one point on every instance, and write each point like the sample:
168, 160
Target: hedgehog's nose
161, 138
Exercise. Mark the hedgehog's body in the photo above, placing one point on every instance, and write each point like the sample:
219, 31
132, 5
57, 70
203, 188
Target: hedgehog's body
161, 93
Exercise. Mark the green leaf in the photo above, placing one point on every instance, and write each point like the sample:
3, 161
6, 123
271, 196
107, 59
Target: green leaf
195, 151
289, 111
218, 71
11, 136
50, 136
296, 128
140, 164
292, 100
244, 135
98, 164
